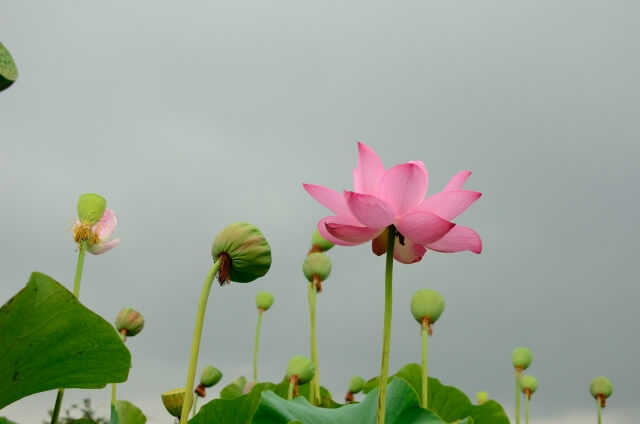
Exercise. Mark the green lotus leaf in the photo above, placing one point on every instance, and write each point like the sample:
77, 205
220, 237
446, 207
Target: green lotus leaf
233, 389
8, 70
4, 420
238, 410
126, 412
49, 340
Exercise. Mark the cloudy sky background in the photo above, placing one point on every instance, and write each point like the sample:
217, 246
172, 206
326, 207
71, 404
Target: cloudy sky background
188, 116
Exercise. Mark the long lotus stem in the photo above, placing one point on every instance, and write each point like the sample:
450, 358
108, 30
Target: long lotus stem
195, 403
425, 374
526, 409
314, 387
599, 411
113, 385
195, 346
386, 339
76, 292
255, 348
292, 383
518, 372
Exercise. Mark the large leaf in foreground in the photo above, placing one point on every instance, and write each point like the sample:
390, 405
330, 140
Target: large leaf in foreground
4, 420
402, 408
449, 402
238, 410
48, 340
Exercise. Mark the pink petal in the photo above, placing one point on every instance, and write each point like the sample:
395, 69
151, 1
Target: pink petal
352, 233
327, 235
457, 181
449, 204
107, 225
329, 198
409, 252
404, 187
369, 210
423, 227
369, 171
458, 239
100, 248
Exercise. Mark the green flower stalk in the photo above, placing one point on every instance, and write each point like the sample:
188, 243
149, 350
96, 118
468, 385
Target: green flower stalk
426, 307
209, 377
316, 268
264, 300
300, 370
529, 386
601, 388
521, 359
240, 254
355, 386
93, 227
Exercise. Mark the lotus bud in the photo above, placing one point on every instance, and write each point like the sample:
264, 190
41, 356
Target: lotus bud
8, 70
247, 387
302, 368
356, 383
244, 253
173, 400
91, 208
482, 397
129, 322
317, 268
601, 388
264, 300
521, 358
427, 306
529, 385
210, 376
319, 243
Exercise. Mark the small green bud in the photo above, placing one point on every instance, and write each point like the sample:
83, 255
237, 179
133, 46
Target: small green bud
427, 304
173, 400
521, 358
210, 376
529, 385
482, 397
356, 383
301, 367
264, 300
129, 322
319, 242
8, 69
601, 388
316, 264
91, 208
244, 252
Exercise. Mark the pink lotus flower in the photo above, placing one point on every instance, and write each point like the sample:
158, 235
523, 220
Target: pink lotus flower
397, 197
98, 236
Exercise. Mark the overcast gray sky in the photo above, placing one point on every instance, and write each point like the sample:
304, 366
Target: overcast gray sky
188, 116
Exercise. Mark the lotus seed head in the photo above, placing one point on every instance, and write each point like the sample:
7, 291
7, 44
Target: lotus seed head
427, 304
521, 358
316, 264
302, 367
264, 300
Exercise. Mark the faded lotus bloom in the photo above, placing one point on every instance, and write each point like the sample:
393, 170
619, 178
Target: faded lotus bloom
98, 235
396, 196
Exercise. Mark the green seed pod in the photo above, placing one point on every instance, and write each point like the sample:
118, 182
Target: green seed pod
129, 322
301, 367
210, 376
264, 300
244, 251
427, 304
316, 264
8, 70
529, 384
601, 386
356, 383
482, 397
173, 400
91, 208
319, 242
521, 358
